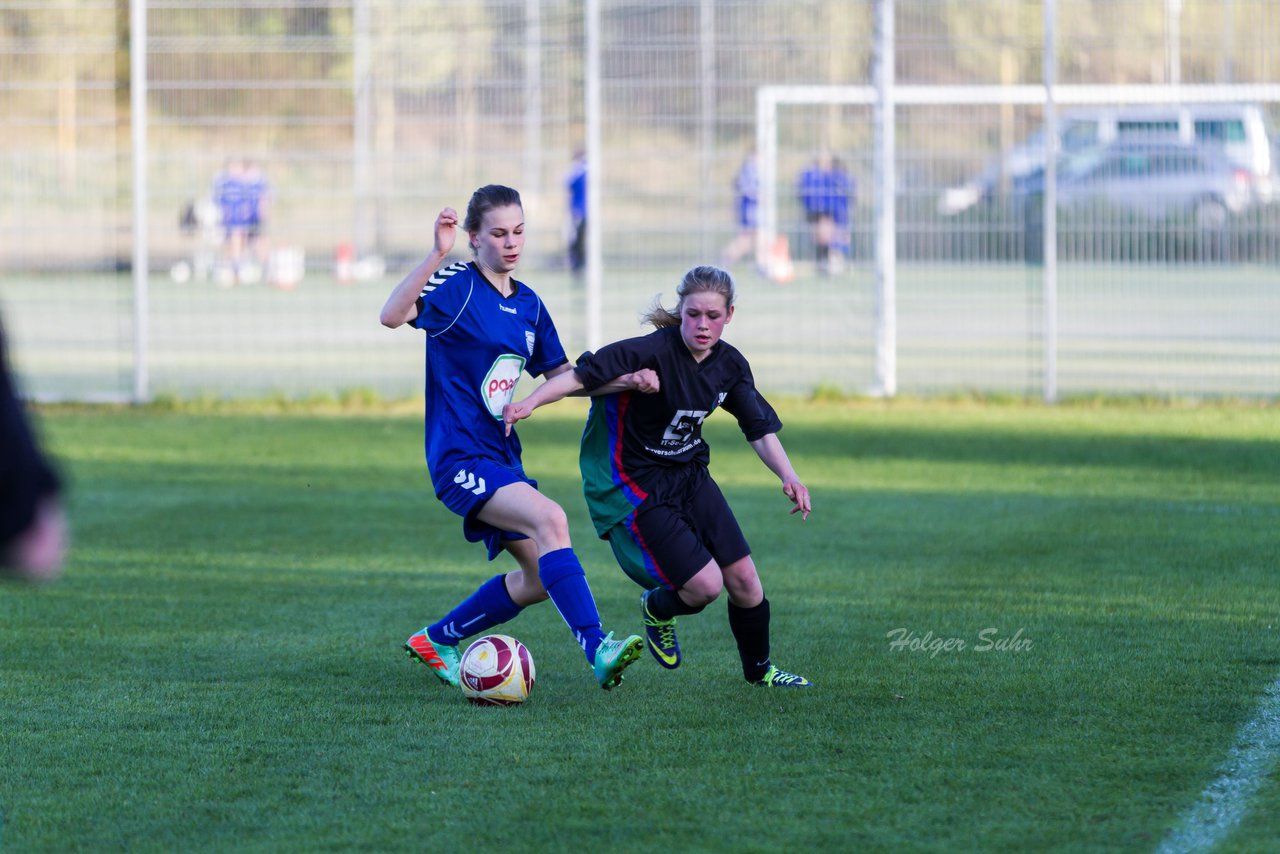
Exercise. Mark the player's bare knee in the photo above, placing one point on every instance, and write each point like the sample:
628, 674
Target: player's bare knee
552, 528
742, 581
704, 588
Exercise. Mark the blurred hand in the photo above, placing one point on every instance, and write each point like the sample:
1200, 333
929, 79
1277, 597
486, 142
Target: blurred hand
799, 495
446, 230
513, 412
645, 381
38, 552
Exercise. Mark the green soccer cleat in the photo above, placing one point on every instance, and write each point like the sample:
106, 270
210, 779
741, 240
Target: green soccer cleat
615, 656
661, 635
775, 678
441, 658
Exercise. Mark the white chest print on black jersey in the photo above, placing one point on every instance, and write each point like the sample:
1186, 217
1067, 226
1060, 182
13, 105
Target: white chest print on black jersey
682, 426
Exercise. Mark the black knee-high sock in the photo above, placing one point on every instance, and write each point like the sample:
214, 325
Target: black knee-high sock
665, 604
750, 627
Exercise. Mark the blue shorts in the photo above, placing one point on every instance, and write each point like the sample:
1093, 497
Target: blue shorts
466, 486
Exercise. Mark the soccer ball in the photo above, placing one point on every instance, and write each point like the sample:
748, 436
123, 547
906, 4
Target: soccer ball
496, 670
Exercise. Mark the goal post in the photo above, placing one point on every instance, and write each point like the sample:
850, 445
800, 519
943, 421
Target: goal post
771, 100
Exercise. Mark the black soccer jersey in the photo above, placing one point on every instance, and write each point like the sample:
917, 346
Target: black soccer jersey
631, 438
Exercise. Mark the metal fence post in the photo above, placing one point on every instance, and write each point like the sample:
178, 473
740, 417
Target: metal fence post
595, 176
886, 298
141, 222
1050, 201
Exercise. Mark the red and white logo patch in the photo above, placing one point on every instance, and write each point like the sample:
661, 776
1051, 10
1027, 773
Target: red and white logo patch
500, 383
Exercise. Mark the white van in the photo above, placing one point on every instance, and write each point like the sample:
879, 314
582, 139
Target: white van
1240, 129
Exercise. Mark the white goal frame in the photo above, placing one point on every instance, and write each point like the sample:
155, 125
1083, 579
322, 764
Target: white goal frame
770, 99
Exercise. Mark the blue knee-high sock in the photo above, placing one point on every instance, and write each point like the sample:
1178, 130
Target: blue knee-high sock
562, 575
490, 605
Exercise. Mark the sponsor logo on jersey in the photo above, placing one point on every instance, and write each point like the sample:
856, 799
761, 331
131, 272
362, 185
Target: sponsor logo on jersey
508, 309
500, 383
682, 426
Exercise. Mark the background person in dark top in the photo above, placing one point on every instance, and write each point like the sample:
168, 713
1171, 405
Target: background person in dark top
33, 531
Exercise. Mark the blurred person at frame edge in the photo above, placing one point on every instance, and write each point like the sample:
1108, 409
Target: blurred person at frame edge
33, 528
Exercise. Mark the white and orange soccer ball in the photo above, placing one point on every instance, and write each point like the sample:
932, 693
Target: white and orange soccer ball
496, 670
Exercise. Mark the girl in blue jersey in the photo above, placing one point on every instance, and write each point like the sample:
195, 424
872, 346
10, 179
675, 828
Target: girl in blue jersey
483, 328
645, 476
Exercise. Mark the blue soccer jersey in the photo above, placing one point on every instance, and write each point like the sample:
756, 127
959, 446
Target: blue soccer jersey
478, 344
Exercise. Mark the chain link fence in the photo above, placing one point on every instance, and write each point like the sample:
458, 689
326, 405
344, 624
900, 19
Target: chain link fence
364, 117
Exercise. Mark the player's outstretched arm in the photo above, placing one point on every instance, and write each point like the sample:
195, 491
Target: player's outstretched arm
558, 385
772, 454
644, 381
400, 307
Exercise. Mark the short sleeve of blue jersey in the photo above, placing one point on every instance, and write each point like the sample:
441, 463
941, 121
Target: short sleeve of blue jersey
443, 298
548, 352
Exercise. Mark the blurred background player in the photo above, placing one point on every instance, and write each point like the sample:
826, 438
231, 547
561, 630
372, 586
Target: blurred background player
575, 183
825, 191
233, 213
746, 188
842, 191
483, 329
257, 196
645, 476
243, 196
33, 529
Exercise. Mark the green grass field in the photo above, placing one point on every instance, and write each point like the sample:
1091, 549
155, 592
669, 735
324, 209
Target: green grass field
220, 668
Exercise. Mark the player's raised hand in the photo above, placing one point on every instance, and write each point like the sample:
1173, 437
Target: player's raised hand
799, 495
513, 412
446, 230
646, 381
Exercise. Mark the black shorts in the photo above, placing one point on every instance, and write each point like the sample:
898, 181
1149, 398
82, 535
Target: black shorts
683, 525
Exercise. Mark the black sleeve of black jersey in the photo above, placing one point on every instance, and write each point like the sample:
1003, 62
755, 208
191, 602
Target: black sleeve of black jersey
756, 417
612, 361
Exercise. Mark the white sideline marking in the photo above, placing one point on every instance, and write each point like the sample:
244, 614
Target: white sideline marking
1224, 802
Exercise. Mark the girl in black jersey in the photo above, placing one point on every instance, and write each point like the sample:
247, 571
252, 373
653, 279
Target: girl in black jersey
644, 469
